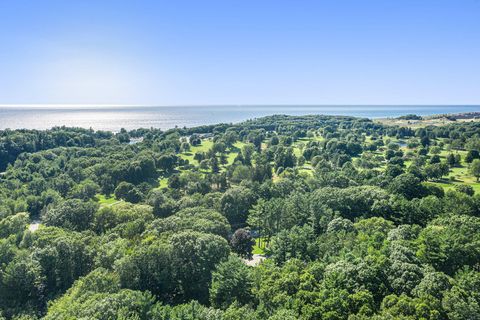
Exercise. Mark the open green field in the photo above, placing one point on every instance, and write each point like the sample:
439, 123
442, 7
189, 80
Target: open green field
457, 175
231, 155
104, 201
206, 145
450, 185
162, 182
203, 147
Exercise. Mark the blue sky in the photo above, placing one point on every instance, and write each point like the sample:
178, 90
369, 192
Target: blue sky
202, 52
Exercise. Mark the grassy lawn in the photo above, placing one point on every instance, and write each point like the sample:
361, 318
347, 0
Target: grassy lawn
445, 184
104, 201
237, 147
462, 176
307, 139
450, 185
457, 175
203, 147
207, 145
259, 247
302, 142
297, 152
444, 153
162, 183
306, 169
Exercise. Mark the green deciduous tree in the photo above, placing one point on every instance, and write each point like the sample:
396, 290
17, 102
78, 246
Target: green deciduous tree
475, 168
451, 242
231, 282
72, 214
235, 204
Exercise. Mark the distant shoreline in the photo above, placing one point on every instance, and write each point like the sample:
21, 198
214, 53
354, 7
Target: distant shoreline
168, 117
433, 120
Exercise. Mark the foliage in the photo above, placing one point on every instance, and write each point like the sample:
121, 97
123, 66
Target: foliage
357, 220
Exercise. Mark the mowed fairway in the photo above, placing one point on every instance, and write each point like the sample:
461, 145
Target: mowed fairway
457, 175
204, 147
105, 201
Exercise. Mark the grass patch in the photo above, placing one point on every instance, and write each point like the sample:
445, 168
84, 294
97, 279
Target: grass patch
207, 145
105, 201
237, 148
162, 183
203, 147
307, 170
450, 185
260, 246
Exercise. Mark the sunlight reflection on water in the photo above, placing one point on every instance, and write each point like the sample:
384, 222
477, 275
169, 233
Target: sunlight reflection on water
115, 118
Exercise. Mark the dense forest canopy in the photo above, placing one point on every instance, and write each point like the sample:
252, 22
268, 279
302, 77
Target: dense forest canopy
282, 217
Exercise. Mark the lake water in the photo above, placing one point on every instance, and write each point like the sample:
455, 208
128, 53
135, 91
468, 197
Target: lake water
115, 118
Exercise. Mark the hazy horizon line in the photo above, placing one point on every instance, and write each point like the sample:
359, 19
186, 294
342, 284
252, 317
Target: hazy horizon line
89, 105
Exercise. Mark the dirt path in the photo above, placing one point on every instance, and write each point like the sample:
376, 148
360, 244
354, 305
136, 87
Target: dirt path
34, 225
256, 260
